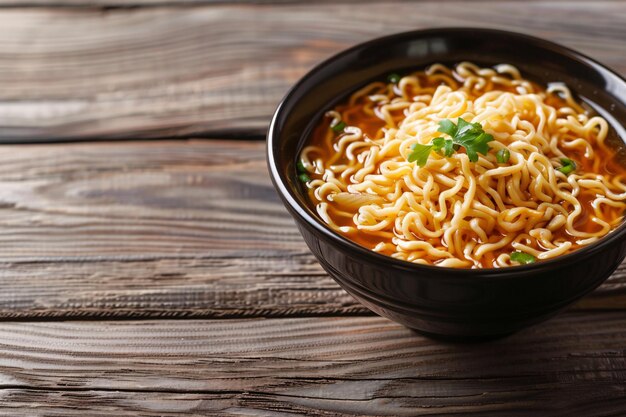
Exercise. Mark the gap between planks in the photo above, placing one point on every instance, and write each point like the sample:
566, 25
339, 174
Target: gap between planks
125, 4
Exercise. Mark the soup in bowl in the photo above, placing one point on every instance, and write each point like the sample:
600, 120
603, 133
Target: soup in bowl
463, 182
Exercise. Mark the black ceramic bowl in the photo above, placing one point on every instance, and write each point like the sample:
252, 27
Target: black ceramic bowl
439, 301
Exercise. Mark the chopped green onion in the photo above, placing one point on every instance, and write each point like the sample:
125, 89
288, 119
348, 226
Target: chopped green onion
304, 178
394, 78
503, 155
568, 167
338, 128
522, 257
300, 167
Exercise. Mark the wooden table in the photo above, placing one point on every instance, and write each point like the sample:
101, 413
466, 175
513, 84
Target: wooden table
163, 277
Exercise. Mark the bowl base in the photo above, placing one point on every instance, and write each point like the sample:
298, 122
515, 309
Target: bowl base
462, 339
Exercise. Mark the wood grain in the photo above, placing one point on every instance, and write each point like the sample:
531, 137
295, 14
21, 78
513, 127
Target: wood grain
311, 366
108, 4
161, 229
215, 70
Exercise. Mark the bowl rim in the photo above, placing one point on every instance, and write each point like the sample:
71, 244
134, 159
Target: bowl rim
286, 192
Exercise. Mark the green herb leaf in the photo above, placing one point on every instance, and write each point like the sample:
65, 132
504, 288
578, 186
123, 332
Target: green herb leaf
463, 127
420, 154
474, 142
443, 146
304, 178
503, 156
448, 127
523, 257
471, 136
438, 143
449, 148
339, 127
568, 167
394, 78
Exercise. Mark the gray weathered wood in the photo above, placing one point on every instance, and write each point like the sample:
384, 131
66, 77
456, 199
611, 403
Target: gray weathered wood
312, 366
161, 229
184, 3
221, 69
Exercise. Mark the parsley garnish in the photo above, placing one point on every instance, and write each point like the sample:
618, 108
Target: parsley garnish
568, 167
503, 155
522, 257
394, 78
471, 136
338, 128
420, 154
446, 147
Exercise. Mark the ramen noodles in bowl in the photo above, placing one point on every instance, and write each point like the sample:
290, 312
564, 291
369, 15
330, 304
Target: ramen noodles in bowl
465, 167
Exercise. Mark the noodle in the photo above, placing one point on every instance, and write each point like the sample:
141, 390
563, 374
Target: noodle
451, 211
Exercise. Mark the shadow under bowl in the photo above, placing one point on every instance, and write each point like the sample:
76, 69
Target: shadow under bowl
445, 302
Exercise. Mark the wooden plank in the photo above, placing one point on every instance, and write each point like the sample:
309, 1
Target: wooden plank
311, 366
185, 3
161, 229
152, 229
206, 70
